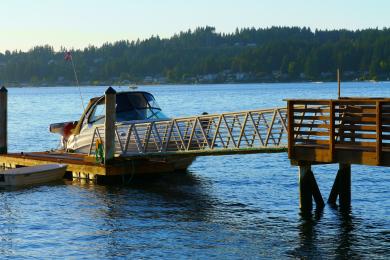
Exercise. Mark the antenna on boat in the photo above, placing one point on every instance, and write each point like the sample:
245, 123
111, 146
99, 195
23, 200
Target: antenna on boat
68, 57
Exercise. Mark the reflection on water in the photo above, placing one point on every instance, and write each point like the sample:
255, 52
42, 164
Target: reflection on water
341, 235
185, 192
231, 207
346, 236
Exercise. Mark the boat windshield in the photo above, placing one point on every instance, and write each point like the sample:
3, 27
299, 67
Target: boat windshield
129, 106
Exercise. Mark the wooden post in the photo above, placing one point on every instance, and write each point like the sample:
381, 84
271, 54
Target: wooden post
345, 185
290, 126
109, 125
378, 133
331, 131
3, 120
305, 188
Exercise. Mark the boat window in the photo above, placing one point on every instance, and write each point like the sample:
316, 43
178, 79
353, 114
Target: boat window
137, 106
129, 106
130, 101
152, 102
98, 114
153, 113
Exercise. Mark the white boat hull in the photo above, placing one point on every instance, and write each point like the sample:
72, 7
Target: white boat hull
32, 175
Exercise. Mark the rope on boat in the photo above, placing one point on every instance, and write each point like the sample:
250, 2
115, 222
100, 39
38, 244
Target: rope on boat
77, 82
68, 57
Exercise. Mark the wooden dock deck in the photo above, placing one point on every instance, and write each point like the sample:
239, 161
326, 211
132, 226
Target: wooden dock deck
354, 130
344, 131
83, 166
78, 165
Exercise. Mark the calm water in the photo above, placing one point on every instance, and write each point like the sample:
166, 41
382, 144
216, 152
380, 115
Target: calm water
227, 207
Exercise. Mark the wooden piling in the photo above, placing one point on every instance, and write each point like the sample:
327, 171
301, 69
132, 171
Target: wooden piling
3, 120
345, 185
109, 124
305, 188
342, 187
308, 189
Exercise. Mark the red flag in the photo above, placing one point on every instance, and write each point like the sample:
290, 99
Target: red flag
68, 56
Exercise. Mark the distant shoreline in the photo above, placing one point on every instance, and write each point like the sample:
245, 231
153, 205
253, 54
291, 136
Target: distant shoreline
48, 85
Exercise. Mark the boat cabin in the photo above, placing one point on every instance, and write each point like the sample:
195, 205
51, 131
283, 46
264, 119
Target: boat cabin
132, 106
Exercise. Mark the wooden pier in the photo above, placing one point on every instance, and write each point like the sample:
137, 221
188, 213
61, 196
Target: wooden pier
344, 131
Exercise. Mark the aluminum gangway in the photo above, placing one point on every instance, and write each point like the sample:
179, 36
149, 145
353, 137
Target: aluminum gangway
262, 130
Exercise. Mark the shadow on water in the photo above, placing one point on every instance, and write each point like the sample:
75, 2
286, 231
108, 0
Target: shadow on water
176, 191
148, 211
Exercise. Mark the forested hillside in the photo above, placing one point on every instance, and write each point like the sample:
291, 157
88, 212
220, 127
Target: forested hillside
205, 56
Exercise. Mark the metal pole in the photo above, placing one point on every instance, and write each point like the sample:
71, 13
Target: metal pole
77, 82
338, 81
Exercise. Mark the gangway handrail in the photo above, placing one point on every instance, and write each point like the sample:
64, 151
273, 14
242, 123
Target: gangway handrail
260, 128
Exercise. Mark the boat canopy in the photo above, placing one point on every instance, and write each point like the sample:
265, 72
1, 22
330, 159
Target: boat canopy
129, 106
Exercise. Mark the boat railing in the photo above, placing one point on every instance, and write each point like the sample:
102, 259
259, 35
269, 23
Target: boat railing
236, 130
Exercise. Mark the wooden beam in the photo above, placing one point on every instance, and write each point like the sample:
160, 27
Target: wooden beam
316, 192
290, 125
378, 132
109, 124
3, 120
331, 132
335, 190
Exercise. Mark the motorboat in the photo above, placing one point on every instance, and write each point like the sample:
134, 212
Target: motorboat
32, 175
131, 107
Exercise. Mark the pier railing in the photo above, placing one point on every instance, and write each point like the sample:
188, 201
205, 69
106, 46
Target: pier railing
354, 124
237, 130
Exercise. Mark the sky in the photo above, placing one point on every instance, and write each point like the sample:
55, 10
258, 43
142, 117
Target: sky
79, 23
